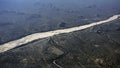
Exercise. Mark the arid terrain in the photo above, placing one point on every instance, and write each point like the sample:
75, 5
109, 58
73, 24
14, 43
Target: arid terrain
97, 46
19, 18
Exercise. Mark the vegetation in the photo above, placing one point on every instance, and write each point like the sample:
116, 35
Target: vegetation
87, 48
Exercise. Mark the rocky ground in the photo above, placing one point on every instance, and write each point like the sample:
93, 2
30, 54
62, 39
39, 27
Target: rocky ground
95, 47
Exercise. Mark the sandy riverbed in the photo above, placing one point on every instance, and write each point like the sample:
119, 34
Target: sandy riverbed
32, 37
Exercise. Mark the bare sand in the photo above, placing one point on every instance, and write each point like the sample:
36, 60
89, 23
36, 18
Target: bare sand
35, 36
